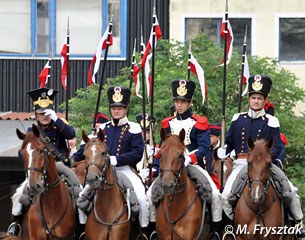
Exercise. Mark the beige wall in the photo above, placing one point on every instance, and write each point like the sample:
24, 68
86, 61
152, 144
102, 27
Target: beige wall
264, 14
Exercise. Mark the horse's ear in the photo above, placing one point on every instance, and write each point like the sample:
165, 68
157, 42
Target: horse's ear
163, 134
35, 130
100, 135
20, 134
84, 136
182, 135
270, 143
250, 143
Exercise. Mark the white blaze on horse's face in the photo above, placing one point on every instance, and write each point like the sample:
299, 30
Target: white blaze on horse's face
256, 193
94, 152
30, 151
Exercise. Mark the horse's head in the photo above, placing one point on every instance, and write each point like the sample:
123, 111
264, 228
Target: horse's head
259, 163
97, 159
172, 161
34, 154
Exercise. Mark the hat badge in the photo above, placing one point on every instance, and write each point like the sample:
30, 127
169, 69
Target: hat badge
117, 96
257, 85
182, 90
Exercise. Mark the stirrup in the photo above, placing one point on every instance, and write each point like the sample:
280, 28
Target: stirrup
214, 235
15, 232
153, 235
141, 237
224, 237
82, 236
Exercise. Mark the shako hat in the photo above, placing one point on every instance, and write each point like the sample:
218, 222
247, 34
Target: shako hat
43, 98
118, 96
183, 89
259, 84
147, 119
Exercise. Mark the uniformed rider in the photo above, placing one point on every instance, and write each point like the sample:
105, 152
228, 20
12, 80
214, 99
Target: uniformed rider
258, 125
57, 130
125, 145
197, 142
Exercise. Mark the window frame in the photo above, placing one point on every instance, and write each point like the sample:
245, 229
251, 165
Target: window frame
235, 15
277, 36
52, 33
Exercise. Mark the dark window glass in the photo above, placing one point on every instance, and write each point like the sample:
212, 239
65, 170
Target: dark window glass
211, 27
292, 39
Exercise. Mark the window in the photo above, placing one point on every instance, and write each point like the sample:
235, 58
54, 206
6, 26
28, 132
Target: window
38, 27
211, 27
292, 39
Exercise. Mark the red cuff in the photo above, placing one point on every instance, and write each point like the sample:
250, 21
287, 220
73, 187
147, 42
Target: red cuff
193, 158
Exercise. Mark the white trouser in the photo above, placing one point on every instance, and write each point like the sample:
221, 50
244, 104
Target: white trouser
216, 199
17, 206
140, 193
238, 164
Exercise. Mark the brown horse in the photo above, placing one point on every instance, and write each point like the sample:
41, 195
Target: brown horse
110, 217
51, 215
179, 213
259, 207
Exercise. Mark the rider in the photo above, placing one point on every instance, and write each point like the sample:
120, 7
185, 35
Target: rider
57, 130
125, 144
258, 125
197, 142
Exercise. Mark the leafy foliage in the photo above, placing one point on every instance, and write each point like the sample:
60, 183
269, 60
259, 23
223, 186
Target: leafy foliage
171, 63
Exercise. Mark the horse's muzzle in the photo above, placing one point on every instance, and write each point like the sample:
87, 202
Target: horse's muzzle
168, 187
93, 181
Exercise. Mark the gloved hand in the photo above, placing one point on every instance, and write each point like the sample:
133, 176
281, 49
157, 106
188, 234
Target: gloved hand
187, 160
113, 160
279, 163
51, 113
144, 173
149, 150
221, 153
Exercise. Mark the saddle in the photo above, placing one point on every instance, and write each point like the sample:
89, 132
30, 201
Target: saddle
279, 180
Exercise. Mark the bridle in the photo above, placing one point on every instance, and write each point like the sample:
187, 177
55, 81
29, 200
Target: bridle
177, 173
102, 168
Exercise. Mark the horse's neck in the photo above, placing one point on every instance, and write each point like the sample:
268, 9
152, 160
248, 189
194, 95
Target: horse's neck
52, 174
111, 187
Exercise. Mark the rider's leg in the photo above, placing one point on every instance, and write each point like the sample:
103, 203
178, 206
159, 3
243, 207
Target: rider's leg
17, 211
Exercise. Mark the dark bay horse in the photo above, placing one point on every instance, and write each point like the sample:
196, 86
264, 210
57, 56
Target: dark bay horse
179, 213
259, 207
109, 217
51, 215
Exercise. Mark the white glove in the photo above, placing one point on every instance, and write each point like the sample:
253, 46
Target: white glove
149, 150
144, 173
51, 113
187, 160
221, 153
113, 160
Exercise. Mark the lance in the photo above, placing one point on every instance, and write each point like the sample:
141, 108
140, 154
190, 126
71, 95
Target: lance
93, 130
223, 118
143, 101
189, 62
68, 72
151, 140
242, 70
133, 62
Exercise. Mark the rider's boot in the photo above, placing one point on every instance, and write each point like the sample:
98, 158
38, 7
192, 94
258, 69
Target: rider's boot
14, 228
227, 228
216, 231
301, 231
80, 232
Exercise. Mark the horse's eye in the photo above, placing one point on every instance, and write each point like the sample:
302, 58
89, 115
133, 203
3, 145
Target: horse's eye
104, 154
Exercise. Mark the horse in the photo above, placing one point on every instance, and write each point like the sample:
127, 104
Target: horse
179, 214
227, 167
51, 214
259, 208
110, 216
